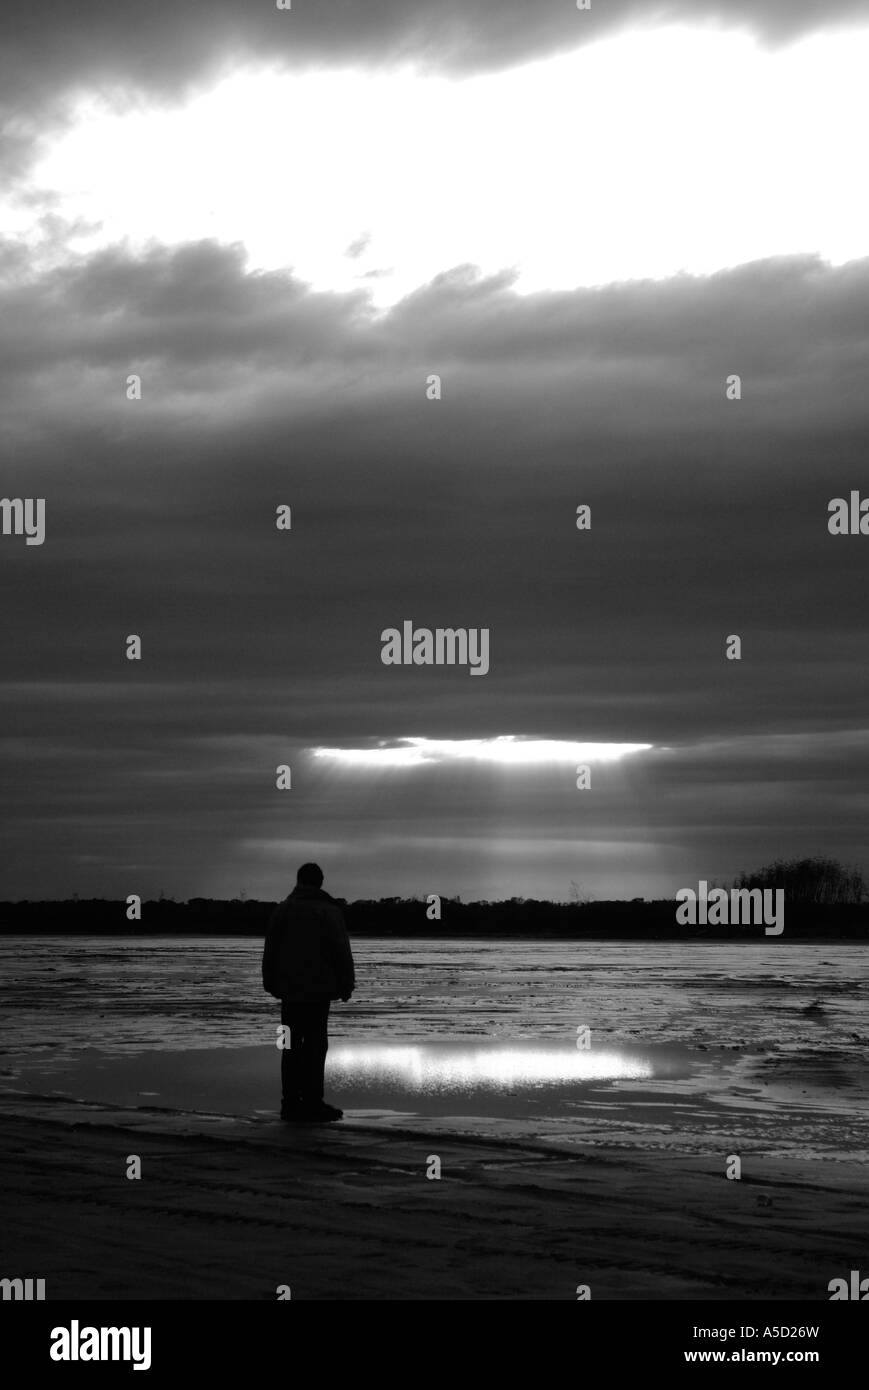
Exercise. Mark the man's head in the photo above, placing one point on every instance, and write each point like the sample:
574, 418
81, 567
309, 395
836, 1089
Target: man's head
310, 876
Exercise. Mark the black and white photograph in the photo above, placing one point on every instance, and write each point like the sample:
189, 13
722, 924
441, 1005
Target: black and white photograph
434, 457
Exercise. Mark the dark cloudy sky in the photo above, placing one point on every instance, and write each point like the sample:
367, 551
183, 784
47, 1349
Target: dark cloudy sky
284, 222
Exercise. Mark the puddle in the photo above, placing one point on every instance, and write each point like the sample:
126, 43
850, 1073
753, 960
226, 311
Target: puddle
438, 1078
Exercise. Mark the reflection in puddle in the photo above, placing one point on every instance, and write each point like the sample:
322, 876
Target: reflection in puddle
444, 1067
525, 1079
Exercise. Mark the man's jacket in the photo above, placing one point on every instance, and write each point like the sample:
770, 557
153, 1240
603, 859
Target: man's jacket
307, 956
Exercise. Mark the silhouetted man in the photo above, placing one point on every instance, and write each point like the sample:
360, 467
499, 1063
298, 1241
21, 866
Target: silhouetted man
307, 962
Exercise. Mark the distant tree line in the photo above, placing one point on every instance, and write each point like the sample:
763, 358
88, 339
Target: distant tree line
815, 881
823, 900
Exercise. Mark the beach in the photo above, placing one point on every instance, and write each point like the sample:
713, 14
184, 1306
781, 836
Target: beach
561, 1166
234, 1211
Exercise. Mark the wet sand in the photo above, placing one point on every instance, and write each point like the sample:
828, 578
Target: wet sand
560, 1165
233, 1209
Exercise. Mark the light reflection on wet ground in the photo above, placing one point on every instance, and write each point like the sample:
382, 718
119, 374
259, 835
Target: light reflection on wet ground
443, 1078
654, 1098
452, 1067
695, 1045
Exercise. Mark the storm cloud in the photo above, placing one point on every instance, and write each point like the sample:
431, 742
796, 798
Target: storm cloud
709, 519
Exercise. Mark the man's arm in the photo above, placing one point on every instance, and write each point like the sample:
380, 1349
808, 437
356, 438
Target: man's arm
271, 952
342, 956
